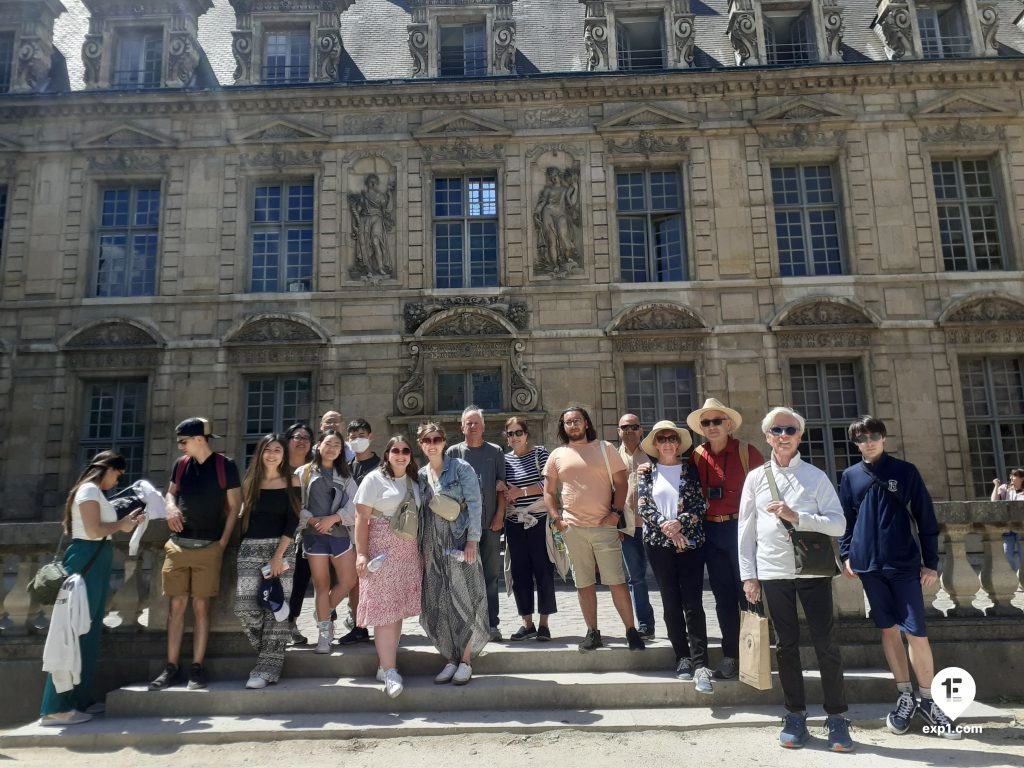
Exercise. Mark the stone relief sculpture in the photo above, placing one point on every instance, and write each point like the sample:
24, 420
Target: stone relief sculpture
504, 48
556, 217
832, 16
894, 21
182, 58
373, 218
988, 18
595, 35
742, 32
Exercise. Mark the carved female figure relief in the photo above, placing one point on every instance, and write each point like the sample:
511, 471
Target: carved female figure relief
373, 217
556, 217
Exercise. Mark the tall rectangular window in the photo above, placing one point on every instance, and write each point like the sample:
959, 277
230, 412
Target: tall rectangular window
115, 419
807, 220
656, 392
943, 32
139, 60
827, 395
286, 56
128, 237
968, 211
463, 51
272, 403
282, 238
457, 389
6, 60
640, 44
466, 232
993, 393
649, 213
789, 38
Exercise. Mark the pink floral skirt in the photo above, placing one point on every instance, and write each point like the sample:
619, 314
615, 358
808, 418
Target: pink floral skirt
392, 593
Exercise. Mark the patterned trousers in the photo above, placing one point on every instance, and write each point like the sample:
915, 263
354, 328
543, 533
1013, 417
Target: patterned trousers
267, 635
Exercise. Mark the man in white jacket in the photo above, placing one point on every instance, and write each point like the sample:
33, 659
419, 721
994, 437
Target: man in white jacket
807, 501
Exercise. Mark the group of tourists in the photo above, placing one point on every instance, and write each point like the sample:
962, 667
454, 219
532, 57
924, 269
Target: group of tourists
399, 540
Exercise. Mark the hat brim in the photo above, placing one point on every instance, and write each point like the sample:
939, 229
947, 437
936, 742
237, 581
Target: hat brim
693, 420
648, 446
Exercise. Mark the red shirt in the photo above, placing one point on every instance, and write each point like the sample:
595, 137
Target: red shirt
724, 470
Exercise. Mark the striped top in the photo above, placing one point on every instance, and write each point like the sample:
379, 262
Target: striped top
525, 470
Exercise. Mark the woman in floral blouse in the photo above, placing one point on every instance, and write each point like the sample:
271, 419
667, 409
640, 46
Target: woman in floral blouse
672, 506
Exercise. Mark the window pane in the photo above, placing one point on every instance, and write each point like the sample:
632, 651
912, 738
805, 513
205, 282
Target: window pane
807, 221
993, 397
286, 56
968, 215
127, 241
282, 253
448, 249
466, 242
272, 403
660, 392
650, 244
6, 59
486, 388
115, 419
828, 396
639, 44
451, 392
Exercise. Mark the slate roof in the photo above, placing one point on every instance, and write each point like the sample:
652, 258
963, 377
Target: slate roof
549, 36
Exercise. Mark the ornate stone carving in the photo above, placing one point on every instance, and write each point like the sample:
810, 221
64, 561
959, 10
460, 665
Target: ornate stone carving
112, 334
466, 350
525, 395
92, 50
503, 60
657, 316
462, 151
241, 48
683, 39
417, 312
557, 220
569, 149
409, 398
832, 20
961, 132
34, 55
894, 21
374, 124
988, 19
281, 158
182, 58
555, 117
803, 136
328, 53
824, 313
988, 309
985, 336
126, 137
114, 360
128, 160
274, 355
279, 132
373, 221
742, 32
658, 343
824, 340
646, 144
275, 330
418, 43
468, 323
595, 36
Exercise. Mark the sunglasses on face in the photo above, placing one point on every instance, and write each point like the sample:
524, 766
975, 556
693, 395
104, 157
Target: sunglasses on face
401, 451
667, 439
777, 431
872, 437
515, 433
629, 427
431, 440
711, 422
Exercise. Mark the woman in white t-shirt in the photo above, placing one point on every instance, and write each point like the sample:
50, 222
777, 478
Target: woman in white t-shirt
392, 592
89, 519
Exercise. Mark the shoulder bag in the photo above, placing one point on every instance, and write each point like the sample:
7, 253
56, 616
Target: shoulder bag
404, 523
46, 584
813, 552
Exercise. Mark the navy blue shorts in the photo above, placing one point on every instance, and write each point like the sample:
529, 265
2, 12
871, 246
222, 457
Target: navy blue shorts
322, 544
896, 600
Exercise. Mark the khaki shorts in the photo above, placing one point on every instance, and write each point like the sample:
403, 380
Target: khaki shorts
191, 572
593, 548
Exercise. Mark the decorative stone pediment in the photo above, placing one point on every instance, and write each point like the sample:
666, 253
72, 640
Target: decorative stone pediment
964, 104
802, 110
655, 317
646, 117
418, 312
963, 132
279, 130
122, 333
275, 329
822, 311
647, 143
466, 320
127, 136
462, 151
462, 124
985, 308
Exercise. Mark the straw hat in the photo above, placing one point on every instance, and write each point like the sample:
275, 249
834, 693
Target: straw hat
685, 441
713, 404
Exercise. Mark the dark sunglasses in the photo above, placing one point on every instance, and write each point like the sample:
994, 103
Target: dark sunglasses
783, 431
872, 437
711, 422
515, 433
629, 427
402, 451
431, 440
667, 439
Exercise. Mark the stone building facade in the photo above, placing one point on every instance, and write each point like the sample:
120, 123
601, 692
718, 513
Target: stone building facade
256, 211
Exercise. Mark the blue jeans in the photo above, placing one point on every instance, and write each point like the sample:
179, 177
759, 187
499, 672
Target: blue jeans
636, 572
721, 556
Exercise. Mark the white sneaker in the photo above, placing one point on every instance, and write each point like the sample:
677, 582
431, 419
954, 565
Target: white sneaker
255, 681
446, 674
393, 683
323, 643
462, 674
380, 674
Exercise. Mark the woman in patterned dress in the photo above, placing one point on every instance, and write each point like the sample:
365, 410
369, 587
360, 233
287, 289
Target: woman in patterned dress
391, 593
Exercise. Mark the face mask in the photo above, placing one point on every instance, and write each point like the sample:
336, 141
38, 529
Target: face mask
359, 444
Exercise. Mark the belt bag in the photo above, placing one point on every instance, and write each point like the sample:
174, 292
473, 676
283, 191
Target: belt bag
445, 507
46, 584
813, 553
404, 521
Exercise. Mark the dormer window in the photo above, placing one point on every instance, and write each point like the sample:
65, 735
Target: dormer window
138, 61
286, 56
640, 44
789, 37
6, 60
468, 38
944, 35
462, 51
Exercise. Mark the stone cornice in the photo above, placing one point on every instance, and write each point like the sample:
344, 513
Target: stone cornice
587, 88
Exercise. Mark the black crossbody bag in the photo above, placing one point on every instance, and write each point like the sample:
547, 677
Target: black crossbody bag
814, 553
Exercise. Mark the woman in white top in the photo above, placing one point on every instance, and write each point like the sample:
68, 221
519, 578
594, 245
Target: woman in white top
808, 502
391, 593
89, 519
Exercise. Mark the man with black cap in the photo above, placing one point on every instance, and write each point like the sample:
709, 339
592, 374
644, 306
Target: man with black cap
203, 501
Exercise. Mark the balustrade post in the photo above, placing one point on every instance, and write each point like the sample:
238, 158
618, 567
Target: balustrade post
958, 577
848, 598
997, 577
18, 603
125, 602
156, 600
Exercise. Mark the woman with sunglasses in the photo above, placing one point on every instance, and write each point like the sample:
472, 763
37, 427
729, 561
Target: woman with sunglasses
328, 498
526, 531
669, 499
269, 516
298, 439
789, 491
454, 612
391, 592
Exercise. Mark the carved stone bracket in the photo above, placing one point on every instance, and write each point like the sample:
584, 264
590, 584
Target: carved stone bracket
832, 21
92, 51
409, 399
182, 58
281, 158
128, 160
525, 395
802, 135
503, 61
34, 56
562, 117
595, 36
241, 48
988, 19
462, 151
742, 32
646, 144
417, 312
328, 54
963, 132
683, 38
894, 21
419, 41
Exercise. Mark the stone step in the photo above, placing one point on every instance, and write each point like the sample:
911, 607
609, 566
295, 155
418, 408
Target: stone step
553, 690
112, 733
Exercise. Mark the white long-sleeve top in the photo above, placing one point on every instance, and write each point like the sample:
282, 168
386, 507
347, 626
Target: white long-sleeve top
764, 546
62, 655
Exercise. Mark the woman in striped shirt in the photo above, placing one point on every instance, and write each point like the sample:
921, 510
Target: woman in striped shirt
526, 530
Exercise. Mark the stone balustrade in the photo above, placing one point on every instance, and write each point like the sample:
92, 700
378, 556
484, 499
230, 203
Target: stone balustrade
976, 580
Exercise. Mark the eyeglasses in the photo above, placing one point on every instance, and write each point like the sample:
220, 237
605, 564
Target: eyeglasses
667, 439
629, 427
300, 438
784, 431
711, 422
572, 422
872, 437
431, 440
401, 451
515, 433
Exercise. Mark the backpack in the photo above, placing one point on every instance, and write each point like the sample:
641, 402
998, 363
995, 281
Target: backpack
220, 462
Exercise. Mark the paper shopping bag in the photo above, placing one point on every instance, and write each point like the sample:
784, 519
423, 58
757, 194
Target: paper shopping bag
755, 651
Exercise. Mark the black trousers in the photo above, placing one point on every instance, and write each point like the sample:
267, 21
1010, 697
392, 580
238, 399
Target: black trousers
300, 583
722, 556
816, 598
528, 555
680, 577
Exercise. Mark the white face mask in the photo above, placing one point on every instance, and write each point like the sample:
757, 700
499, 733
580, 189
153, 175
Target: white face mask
359, 444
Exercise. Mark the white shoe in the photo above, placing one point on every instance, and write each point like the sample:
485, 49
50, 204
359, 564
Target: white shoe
462, 674
255, 681
380, 674
446, 674
72, 717
323, 643
393, 683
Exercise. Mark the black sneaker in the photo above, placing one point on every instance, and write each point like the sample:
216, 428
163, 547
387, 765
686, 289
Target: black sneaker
357, 635
646, 631
170, 676
523, 633
543, 634
592, 641
636, 643
196, 678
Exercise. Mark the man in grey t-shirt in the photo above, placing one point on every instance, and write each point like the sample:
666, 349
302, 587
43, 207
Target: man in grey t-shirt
488, 460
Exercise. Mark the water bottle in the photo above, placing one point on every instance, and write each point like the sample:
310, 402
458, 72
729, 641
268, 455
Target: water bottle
557, 540
458, 554
374, 565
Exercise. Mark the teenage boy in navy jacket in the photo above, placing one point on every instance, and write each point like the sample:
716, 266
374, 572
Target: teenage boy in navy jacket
885, 499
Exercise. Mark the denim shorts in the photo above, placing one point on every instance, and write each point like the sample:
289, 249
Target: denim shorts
322, 544
896, 600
